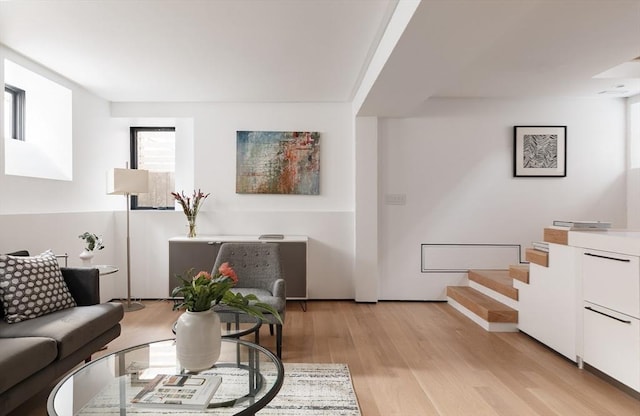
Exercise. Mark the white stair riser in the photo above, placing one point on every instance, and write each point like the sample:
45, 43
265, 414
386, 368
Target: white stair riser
494, 295
488, 326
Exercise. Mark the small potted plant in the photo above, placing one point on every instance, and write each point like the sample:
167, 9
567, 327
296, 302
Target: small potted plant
92, 243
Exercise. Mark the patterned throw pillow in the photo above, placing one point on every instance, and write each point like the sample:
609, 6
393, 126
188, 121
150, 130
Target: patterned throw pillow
32, 287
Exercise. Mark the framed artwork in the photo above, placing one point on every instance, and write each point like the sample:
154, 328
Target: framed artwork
278, 162
540, 151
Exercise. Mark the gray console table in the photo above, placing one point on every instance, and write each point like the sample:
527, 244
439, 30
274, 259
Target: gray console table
200, 253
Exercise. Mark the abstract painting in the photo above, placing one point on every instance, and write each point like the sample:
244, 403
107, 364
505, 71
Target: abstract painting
540, 151
278, 162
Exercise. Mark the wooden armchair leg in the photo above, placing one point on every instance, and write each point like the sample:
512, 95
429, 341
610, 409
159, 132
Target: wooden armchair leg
271, 329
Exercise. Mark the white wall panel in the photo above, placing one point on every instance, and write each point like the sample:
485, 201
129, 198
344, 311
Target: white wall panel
455, 166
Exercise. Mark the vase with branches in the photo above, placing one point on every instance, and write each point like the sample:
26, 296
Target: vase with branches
190, 207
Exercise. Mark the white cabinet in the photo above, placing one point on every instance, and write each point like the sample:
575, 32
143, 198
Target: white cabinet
547, 305
612, 344
611, 314
612, 280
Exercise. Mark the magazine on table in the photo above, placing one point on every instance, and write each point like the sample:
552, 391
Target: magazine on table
182, 391
583, 225
541, 246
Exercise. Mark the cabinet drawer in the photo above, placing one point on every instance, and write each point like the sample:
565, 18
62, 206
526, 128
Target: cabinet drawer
197, 255
612, 344
612, 280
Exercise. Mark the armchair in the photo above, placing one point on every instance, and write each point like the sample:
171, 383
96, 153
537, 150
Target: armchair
258, 268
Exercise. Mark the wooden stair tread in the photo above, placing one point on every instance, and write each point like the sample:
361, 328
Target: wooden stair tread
538, 257
556, 236
496, 280
519, 272
485, 307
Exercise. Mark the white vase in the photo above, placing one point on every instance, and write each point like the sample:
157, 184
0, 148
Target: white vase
86, 256
198, 338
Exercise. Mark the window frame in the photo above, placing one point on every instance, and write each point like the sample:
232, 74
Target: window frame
17, 111
133, 131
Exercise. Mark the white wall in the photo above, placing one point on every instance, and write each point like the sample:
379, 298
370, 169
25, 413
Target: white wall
366, 265
455, 166
37, 214
47, 148
59, 232
633, 157
327, 218
96, 148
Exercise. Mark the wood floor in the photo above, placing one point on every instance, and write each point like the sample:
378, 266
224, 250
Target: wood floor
414, 359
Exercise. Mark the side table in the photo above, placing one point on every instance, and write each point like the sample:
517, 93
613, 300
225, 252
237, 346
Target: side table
105, 269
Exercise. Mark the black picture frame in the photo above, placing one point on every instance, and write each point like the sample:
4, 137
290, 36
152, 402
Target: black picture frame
540, 151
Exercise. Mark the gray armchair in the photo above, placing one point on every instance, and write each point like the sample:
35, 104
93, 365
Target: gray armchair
258, 268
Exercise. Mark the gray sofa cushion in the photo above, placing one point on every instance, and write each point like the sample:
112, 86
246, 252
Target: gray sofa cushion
71, 328
22, 357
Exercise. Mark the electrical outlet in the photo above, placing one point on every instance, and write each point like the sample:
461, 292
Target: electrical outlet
395, 199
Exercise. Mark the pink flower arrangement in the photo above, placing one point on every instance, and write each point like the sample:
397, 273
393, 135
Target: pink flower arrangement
202, 291
226, 270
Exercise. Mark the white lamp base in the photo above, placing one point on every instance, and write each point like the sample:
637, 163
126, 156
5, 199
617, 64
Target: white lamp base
131, 307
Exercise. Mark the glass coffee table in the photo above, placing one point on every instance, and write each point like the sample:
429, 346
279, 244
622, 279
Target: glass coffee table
251, 378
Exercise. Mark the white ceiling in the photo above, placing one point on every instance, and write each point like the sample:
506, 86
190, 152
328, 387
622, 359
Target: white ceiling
317, 50
188, 50
518, 48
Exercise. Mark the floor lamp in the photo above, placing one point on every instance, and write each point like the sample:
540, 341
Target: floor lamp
127, 182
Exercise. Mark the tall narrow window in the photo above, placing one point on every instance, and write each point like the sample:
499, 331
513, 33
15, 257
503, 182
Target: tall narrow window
14, 108
39, 113
154, 149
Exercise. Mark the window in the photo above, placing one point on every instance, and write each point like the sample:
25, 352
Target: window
154, 149
42, 124
14, 99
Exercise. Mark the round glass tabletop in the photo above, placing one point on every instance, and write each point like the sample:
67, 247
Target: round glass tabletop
103, 269
251, 377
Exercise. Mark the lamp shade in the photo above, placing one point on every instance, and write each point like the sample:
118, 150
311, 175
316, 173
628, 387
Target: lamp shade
127, 181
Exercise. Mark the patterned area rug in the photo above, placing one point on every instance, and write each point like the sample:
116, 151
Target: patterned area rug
314, 390
307, 390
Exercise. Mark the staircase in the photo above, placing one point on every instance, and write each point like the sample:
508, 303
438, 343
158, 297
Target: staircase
490, 299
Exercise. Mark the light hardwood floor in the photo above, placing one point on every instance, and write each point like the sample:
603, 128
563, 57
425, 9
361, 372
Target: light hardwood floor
414, 358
